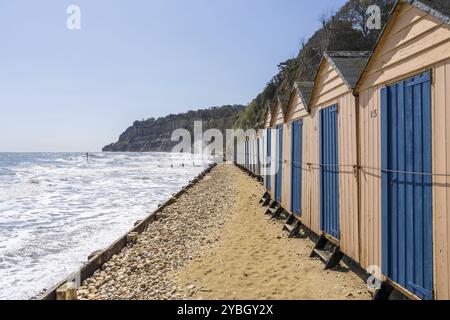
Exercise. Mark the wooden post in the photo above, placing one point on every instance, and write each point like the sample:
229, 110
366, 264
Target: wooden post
94, 254
132, 237
68, 291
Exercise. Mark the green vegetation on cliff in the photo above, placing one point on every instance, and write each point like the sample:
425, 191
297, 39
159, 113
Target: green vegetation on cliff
154, 134
344, 31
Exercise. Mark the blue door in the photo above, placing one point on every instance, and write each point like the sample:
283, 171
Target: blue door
279, 167
296, 167
407, 185
269, 159
329, 172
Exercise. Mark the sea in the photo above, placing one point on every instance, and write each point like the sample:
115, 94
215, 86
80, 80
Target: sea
57, 208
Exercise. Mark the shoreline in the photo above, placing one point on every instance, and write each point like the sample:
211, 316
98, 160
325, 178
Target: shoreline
212, 241
147, 268
98, 258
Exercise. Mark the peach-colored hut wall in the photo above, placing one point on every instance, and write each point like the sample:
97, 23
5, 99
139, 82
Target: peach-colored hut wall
311, 174
297, 111
255, 155
348, 178
370, 179
441, 185
273, 164
330, 89
261, 152
279, 117
348, 182
251, 156
287, 169
416, 40
265, 173
239, 153
413, 43
242, 154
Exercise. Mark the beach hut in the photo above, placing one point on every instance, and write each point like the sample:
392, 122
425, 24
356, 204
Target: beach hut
296, 149
255, 153
332, 152
239, 153
258, 157
261, 149
247, 153
251, 140
268, 151
404, 125
279, 164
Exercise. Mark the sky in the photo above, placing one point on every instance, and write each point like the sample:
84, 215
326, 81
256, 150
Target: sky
78, 90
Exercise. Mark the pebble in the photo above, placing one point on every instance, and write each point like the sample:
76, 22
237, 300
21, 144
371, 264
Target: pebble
146, 270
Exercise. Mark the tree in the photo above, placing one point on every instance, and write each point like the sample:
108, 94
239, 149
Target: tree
345, 30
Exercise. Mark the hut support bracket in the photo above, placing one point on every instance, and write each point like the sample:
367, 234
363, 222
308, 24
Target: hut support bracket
265, 199
276, 212
290, 221
292, 226
272, 206
332, 257
384, 292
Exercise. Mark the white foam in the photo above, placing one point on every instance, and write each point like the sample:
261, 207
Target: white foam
54, 213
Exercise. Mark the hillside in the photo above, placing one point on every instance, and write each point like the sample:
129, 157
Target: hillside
154, 134
346, 30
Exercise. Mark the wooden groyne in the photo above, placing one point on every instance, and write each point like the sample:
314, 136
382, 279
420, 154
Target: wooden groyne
62, 289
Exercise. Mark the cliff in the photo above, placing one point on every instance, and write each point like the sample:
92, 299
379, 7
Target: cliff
154, 134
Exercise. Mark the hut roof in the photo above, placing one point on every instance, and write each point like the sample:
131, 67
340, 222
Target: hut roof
283, 100
349, 64
269, 112
304, 90
437, 8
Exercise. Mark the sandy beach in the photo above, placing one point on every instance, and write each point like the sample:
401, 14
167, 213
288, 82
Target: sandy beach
215, 242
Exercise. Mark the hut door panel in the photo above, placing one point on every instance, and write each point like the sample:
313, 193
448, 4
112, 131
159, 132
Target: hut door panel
407, 185
329, 172
269, 160
258, 147
246, 154
279, 164
296, 165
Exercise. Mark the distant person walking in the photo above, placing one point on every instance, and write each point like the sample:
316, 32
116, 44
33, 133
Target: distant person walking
87, 156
